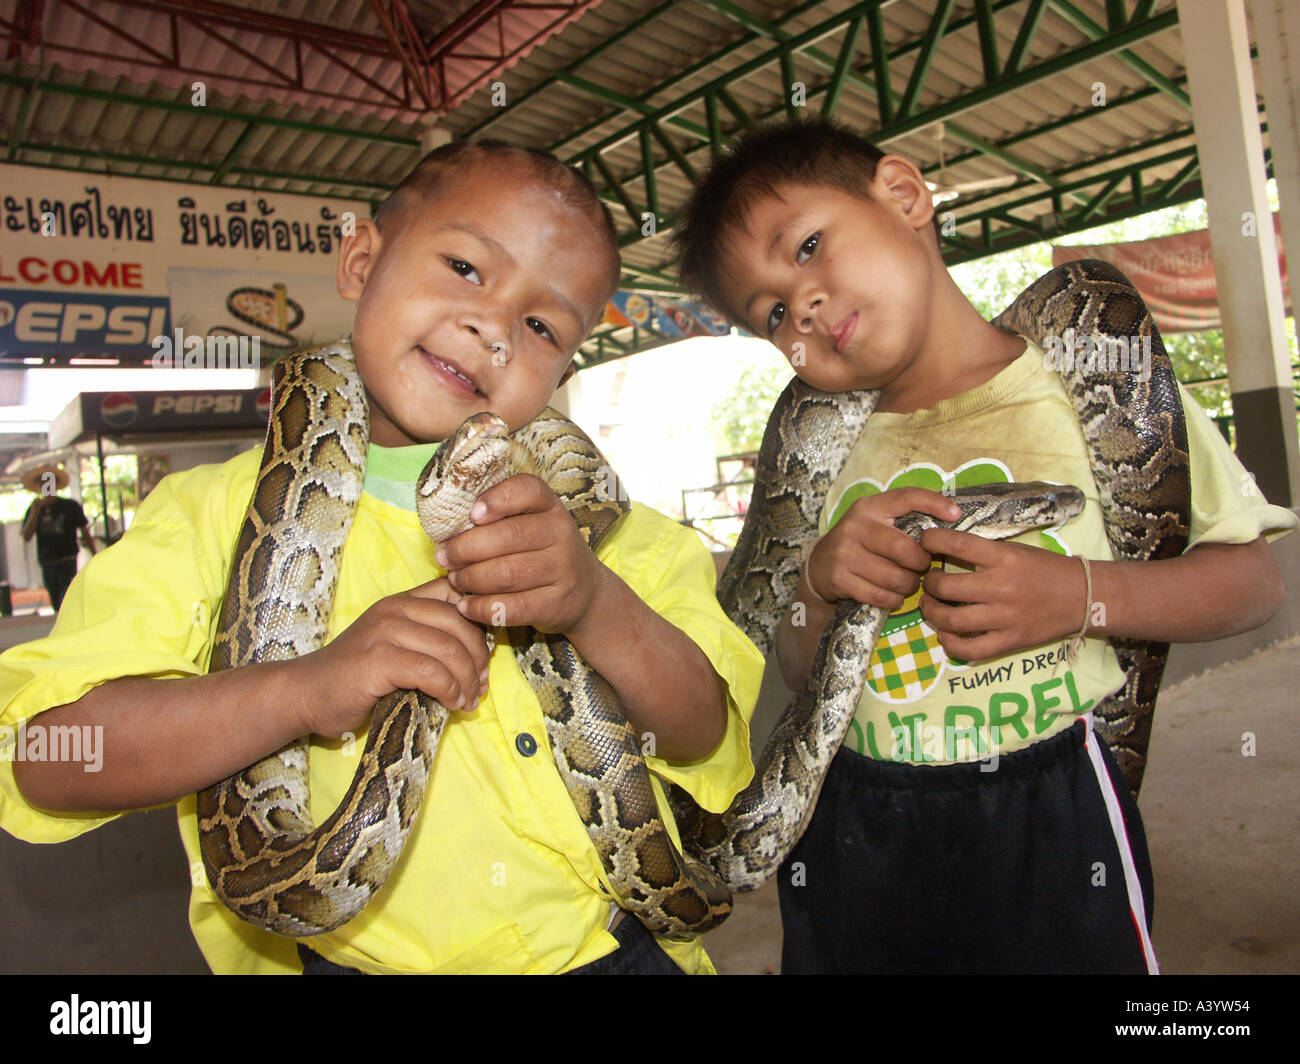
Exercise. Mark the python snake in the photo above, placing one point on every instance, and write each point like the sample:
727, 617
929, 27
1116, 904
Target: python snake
265, 859
269, 863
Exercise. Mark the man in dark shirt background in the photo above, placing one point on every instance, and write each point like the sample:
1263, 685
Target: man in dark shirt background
55, 521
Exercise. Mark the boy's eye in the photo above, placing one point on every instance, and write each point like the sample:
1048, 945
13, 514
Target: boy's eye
807, 248
774, 317
541, 329
464, 269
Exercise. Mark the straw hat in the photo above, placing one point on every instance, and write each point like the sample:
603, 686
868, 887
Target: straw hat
35, 479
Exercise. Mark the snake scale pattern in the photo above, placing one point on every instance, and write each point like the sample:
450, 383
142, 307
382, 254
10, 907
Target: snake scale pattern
1137, 439
265, 859
270, 865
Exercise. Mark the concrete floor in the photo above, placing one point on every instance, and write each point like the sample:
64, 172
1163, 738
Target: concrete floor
1223, 831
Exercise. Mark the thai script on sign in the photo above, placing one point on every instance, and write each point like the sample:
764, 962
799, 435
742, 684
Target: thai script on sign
239, 227
89, 217
1168, 260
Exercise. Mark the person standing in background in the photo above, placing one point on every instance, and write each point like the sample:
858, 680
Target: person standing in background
54, 521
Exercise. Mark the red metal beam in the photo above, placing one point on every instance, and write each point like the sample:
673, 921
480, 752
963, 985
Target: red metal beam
160, 58
168, 44
454, 32
25, 28
407, 47
209, 30
478, 45
404, 101
264, 23
443, 46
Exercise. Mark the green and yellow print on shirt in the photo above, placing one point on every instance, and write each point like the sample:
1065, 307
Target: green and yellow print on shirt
918, 705
909, 665
908, 659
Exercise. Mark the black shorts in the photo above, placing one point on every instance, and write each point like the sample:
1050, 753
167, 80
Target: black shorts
1037, 866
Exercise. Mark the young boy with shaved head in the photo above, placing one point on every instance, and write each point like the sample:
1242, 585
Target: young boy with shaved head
474, 286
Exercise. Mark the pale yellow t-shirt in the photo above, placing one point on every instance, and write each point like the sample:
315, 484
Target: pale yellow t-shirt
921, 706
498, 874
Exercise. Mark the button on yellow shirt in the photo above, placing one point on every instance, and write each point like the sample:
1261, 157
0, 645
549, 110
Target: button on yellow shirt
498, 874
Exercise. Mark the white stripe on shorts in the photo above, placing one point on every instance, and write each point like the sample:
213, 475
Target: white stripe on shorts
1137, 908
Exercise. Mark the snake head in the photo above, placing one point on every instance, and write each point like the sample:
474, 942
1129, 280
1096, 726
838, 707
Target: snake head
484, 424
476, 457
998, 511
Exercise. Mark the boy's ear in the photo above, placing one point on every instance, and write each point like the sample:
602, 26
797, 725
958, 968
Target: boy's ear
569, 371
357, 254
898, 181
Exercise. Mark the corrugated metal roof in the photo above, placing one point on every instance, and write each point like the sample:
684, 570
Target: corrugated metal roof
616, 68
139, 44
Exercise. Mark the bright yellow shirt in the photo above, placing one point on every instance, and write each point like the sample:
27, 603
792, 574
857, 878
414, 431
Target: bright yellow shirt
921, 706
498, 874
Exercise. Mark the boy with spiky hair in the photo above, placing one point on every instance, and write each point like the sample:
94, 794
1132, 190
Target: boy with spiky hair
474, 286
971, 822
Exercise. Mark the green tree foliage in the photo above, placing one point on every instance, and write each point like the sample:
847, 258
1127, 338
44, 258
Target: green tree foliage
741, 415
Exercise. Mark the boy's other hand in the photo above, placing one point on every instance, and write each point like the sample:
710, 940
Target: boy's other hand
524, 562
1017, 597
416, 640
865, 558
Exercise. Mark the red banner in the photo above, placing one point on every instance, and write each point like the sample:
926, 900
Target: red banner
1175, 275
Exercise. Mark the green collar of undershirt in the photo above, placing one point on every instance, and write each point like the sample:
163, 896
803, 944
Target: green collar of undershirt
391, 472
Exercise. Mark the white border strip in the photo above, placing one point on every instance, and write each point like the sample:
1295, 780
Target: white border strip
1137, 908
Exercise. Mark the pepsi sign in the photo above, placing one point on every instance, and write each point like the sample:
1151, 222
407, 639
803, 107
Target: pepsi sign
188, 411
118, 410
34, 322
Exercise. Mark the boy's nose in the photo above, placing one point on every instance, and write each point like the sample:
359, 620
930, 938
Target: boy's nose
805, 312
495, 339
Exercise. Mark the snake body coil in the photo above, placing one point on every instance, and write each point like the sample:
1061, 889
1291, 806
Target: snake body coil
265, 858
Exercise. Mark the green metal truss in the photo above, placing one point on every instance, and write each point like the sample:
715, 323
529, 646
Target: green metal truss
1104, 204
34, 87
367, 190
1095, 32
903, 114
650, 130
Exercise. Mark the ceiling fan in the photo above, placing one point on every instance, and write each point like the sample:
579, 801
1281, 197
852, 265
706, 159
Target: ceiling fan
945, 188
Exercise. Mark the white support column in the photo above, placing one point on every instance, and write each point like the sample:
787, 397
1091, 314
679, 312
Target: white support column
432, 135
1224, 110
1277, 35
